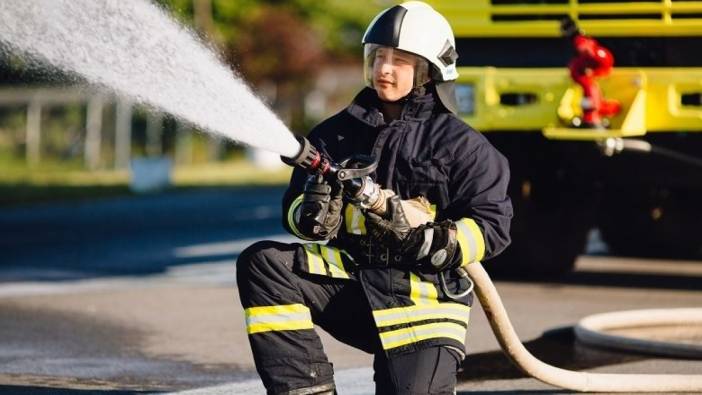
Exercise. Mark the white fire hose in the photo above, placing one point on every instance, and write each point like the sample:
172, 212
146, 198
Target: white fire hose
581, 381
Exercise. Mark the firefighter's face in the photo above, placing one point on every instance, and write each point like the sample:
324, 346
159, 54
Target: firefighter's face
393, 73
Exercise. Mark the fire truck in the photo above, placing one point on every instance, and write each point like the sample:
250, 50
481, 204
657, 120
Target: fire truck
639, 181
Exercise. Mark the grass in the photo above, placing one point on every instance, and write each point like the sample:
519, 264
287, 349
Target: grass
50, 182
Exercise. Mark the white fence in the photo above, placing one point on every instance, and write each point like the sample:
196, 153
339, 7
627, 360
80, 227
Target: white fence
36, 100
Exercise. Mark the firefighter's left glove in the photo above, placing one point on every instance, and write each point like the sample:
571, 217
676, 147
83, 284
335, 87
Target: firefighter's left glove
430, 246
320, 211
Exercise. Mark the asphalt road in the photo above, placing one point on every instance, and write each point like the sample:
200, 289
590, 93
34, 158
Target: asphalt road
128, 296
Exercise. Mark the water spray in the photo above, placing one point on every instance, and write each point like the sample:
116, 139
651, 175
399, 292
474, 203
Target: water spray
135, 49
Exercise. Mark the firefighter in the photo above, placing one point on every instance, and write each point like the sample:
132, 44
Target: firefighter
380, 285
591, 61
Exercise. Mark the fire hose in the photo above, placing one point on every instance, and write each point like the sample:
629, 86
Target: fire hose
576, 381
361, 190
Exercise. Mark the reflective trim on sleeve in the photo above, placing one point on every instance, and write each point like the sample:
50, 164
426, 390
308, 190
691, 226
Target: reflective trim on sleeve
471, 241
409, 314
291, 217
332, 256
355, 220
426, 245
404, 336
277, 318
315, 263
422, 292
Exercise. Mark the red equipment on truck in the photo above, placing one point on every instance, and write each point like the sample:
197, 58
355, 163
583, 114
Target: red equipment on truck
592, 61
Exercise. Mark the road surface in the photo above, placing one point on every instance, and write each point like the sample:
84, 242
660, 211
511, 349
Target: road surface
137, 295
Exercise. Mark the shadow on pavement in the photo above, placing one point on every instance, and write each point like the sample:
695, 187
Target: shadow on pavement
556, 347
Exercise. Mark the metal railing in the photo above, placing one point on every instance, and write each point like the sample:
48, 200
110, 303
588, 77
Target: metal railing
36, 100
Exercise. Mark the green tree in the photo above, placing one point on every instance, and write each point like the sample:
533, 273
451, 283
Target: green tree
283, 43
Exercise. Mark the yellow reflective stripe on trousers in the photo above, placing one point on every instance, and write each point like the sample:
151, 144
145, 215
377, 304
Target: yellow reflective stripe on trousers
355, 221
422, 292
470, 238
404, 336
332, 256
315, 262
406, 315
277, 318
291, 217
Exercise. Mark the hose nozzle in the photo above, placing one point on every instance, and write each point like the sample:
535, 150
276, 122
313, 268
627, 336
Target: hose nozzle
308, 158
353, 173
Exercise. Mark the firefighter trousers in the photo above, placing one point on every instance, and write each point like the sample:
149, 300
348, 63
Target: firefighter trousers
282, 304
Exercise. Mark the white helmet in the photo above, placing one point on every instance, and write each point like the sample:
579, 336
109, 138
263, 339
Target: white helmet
417, 28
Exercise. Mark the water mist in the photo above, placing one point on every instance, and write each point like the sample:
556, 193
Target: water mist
135, 49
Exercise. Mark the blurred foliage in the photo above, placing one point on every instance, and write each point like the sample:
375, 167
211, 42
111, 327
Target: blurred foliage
280, 46
337, 24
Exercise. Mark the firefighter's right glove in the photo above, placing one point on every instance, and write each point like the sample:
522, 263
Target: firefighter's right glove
430, 246
390, 232
320, 211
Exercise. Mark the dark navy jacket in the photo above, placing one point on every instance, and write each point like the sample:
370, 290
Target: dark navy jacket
430, 152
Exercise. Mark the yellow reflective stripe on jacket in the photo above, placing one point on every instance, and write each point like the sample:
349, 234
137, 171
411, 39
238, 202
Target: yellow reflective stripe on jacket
471, 241
422, 292
409, 314
291, 217
355, 220
315, 263
332, 256
320, 258
404, 336
277, 318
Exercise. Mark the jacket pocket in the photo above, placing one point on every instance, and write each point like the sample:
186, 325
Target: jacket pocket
423, 178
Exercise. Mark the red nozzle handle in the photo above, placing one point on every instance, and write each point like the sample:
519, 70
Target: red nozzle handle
308, 158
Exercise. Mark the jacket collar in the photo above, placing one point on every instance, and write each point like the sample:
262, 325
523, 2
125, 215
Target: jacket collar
366, 107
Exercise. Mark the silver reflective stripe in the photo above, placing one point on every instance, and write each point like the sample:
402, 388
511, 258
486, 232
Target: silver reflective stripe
418, 314
426, 246
469, 238
333, 257
268, 318
422, 292
414, 334
314, 260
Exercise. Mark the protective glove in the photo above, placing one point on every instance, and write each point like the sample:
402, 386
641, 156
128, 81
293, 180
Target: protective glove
390, 232
320, 211
431, 246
